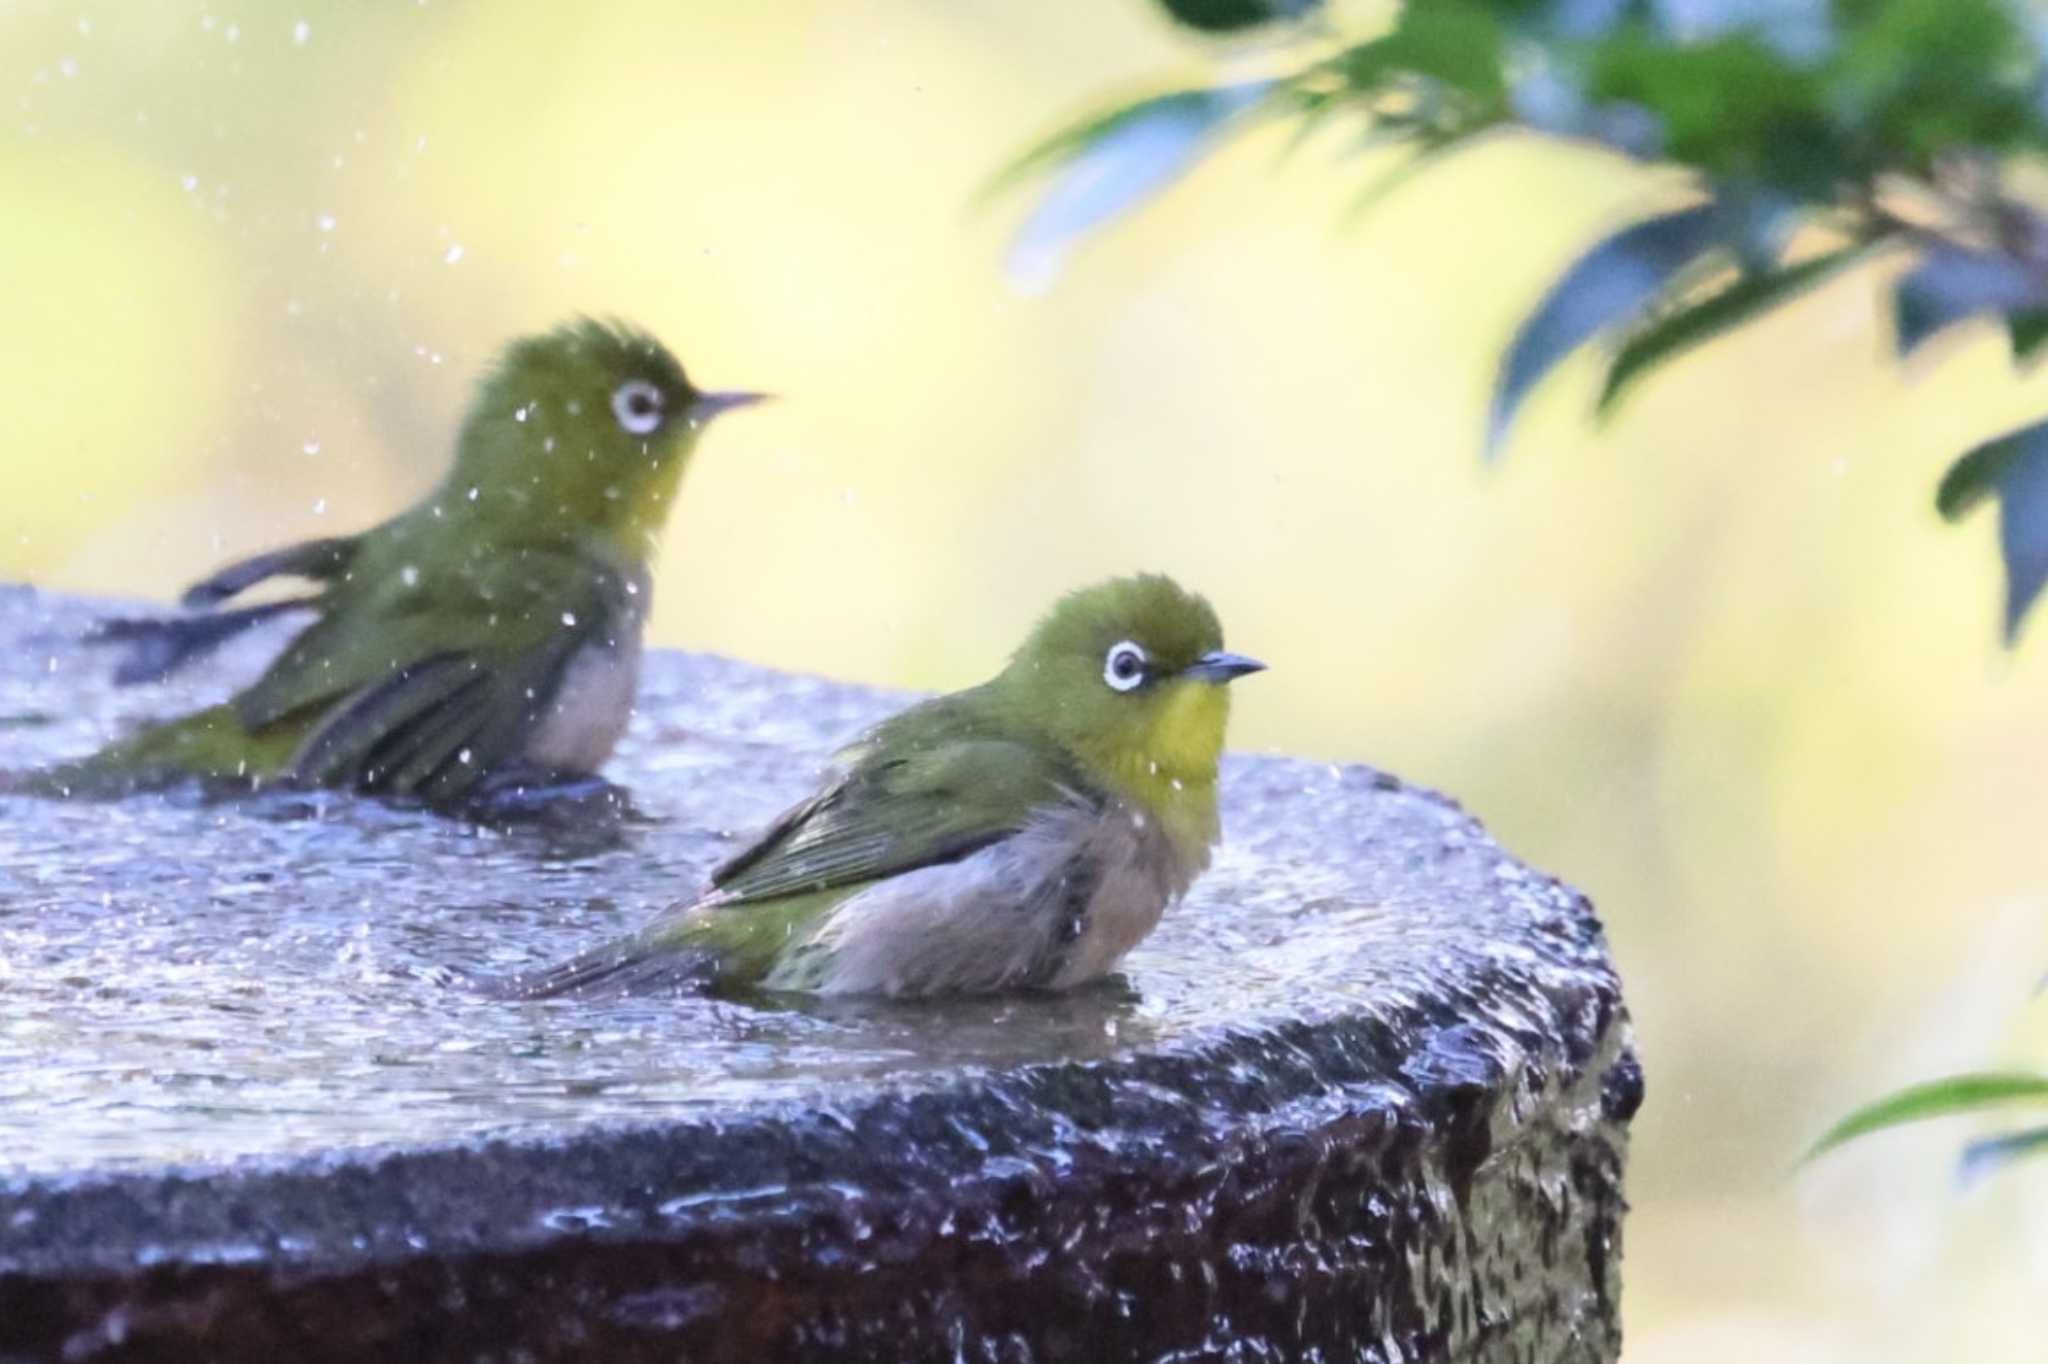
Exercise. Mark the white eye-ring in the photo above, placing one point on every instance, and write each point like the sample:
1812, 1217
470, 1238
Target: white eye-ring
637, 405
1124, 666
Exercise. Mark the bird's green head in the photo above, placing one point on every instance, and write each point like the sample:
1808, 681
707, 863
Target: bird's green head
1130, 677
585, 428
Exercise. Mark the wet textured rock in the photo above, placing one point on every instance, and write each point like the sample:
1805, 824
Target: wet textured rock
1363, 1097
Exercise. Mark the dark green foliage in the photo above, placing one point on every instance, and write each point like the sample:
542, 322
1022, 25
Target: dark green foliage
1231, 16
1745, 296
2027, 329
1871, 123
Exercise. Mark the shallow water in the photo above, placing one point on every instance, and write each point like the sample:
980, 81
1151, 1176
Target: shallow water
185, 982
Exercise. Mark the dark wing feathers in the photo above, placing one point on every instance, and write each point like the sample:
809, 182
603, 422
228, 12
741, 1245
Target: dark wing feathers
365, 739
428, 692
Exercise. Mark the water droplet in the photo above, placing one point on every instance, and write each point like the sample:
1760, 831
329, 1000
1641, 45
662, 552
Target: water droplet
311, 447
568, 618
473, 492
320, 506
234, 33
519, 413
410, 575
300, 32
190, 182
453, 253
325, 222
66, 67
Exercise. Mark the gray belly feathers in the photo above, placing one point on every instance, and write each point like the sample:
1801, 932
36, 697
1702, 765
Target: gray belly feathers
581, 724
1054, 905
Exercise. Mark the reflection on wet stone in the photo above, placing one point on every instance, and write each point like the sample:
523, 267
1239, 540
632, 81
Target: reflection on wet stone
1364, 1096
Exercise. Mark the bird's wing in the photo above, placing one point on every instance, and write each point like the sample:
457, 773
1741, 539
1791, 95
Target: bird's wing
896, 808
159, 646
892, 810
428, 686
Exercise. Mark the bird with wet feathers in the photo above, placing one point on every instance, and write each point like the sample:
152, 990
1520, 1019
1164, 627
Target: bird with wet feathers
486, 638
1023, 833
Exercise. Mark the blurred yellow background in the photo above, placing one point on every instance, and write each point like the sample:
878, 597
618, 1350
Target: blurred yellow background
1719, 664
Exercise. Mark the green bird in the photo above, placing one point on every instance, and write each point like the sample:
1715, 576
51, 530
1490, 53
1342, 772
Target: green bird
486, 639
1024, 833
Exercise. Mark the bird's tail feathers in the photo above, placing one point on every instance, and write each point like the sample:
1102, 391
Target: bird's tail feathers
157, 647
631, 966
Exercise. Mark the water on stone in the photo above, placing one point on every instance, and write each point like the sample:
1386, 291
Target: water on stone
195, 982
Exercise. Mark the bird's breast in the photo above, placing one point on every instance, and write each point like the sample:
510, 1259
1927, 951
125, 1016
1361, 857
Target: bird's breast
1137, 875
580, 725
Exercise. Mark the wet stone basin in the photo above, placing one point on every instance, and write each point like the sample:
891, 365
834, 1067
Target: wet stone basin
1363, 1097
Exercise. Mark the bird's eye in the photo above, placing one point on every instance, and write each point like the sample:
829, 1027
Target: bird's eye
637, 405
1124, 666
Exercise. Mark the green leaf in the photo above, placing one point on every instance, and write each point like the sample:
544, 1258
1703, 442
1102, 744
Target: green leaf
1967, 1093
1920, 78
1973, 478
2015, 467
1458, 43
1952, 284
2026, 330
1455, 49
1109, 164
1608, 285
1747, 298
1731, 105
1991, 1154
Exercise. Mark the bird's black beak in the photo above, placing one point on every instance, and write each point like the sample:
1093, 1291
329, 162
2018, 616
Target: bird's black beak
1219, 667
705, 406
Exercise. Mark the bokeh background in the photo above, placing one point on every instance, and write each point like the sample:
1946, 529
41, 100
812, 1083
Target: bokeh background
1719, 664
